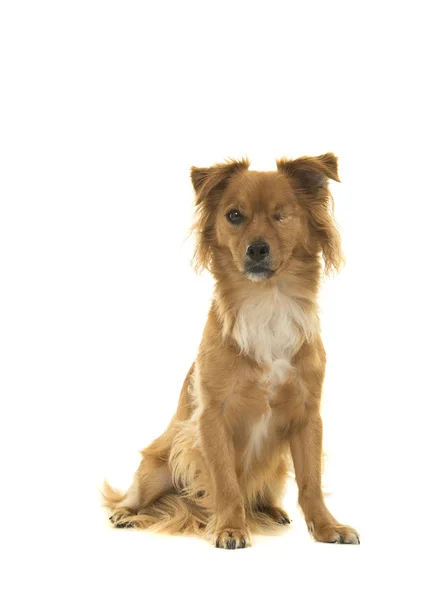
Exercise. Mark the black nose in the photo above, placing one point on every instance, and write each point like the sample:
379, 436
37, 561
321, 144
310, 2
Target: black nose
258, 252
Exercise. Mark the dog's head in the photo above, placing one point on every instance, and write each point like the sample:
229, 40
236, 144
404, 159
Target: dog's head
253, 222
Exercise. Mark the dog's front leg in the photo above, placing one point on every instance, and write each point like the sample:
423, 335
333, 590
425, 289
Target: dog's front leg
217, 447
306, 449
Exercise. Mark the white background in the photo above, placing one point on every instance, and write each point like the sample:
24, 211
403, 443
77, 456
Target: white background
104, 108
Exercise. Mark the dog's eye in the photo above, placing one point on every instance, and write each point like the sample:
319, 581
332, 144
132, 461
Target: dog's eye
280, 218
235, 217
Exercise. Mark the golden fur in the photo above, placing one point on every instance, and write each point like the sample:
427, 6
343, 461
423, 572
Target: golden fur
252, 397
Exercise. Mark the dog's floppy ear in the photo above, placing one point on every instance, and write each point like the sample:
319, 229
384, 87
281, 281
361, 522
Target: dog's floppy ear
209, 184
213, 180
309, 176
310, 172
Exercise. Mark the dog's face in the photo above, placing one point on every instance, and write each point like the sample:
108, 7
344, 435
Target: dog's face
259, 221
254, 222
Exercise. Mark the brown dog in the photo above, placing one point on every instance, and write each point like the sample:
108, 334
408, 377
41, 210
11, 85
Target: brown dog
253, 393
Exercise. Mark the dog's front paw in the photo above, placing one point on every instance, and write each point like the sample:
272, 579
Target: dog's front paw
334, 533
231, 538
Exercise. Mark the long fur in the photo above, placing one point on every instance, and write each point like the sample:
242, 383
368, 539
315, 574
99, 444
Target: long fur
251, 400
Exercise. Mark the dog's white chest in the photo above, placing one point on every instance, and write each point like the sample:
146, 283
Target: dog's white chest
270, 327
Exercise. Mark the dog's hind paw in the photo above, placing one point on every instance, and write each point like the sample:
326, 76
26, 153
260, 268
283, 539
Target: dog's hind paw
277, 514
121, 519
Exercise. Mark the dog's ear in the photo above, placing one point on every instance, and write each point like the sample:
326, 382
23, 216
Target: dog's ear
213, 180
209, 184
309, 176
310, 172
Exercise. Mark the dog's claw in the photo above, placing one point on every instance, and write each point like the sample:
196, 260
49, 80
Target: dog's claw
231, 544
123, 525
334, 533
232, 539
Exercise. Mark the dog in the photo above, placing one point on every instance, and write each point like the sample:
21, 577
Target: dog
251, 400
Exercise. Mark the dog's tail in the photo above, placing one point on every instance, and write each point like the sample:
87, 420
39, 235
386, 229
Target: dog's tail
111, 496
171, 513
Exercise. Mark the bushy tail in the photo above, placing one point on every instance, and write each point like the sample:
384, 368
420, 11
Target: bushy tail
111, 496
171, 513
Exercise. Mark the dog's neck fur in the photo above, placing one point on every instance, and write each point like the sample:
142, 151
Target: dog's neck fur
270, 320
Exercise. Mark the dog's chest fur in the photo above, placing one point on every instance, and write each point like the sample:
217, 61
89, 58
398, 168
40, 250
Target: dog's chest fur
270, 327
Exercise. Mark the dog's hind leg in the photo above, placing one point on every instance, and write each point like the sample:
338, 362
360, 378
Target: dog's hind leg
153, 477
152, 480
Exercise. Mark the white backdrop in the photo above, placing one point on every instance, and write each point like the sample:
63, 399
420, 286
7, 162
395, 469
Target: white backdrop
104, 108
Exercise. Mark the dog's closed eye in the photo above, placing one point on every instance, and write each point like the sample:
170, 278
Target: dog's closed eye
280, 218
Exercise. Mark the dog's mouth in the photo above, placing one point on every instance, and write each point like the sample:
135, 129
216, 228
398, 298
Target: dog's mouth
258, 272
